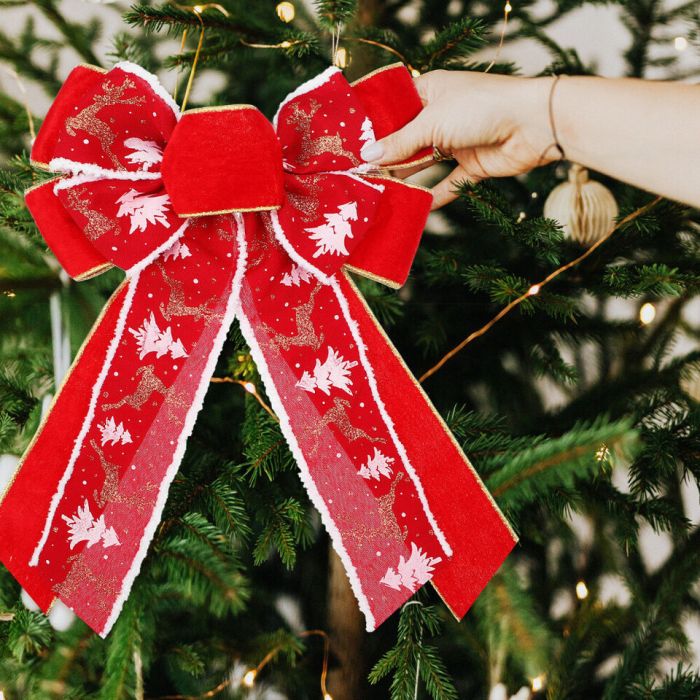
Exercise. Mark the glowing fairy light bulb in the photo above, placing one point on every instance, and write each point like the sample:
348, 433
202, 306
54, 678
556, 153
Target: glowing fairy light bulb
327, 696
537, 683
249, 678
508, 8
581, 590
2, 695
198, 9
415, 72
647, 313
535, 289
680, 43
285, 11
249, 387
341, 58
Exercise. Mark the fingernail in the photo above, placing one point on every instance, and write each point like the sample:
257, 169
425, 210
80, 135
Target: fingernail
372, 151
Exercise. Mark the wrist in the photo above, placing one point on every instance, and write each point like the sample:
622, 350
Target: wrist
536, 118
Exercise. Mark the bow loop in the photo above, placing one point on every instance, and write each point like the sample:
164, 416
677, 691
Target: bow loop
115, 121
322, 126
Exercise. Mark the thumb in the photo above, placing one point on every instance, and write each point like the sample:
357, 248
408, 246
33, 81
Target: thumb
400, 145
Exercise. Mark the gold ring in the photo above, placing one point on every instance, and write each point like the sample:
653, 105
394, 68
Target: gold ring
439, 156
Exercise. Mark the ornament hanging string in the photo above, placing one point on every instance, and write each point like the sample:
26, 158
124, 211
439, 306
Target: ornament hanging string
536, 288
197, 10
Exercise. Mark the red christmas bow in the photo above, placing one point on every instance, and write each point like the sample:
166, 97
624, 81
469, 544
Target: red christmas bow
215, 214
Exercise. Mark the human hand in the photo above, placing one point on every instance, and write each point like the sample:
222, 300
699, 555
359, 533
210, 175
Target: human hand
493, 125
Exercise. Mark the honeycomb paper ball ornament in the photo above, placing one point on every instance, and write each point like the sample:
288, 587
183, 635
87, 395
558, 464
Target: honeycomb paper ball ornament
690, 383
585, 209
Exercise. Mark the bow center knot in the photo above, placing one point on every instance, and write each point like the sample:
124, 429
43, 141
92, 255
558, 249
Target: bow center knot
223, 159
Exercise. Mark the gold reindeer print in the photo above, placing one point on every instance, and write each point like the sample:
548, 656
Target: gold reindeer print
176, 305
110, 488
315, 146
305, 335
363, 534
82, 578
261, 245
87, 120
386, 511
97, 223
307, 203
148, 384
337, 415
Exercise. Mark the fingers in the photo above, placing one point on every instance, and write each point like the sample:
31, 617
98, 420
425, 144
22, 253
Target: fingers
422, 83
401, 144
445, 191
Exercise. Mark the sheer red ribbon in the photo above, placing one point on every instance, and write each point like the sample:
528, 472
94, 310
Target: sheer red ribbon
216, 214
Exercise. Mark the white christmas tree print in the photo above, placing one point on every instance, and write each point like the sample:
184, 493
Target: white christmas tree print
330, 237
377, 466
144, 209
412, 572
295, 276
177, 251
143, 153
367, 131
113, 433
82, 527
150, 338
333, 372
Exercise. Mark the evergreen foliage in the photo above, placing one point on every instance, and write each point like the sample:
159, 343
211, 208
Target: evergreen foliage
240, 545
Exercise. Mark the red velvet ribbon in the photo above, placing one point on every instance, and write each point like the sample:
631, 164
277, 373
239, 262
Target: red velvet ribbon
218, 213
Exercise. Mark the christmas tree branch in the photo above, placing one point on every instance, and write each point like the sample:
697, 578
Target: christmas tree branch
535, 288
74, 34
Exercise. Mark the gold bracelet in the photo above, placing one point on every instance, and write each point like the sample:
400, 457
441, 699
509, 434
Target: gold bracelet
552, 125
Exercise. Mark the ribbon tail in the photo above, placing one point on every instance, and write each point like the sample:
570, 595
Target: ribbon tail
309, 351
95, 481
28, 498
480, 536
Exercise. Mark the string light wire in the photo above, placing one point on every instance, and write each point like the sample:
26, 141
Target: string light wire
251, 675
250, 388
535, 288
507, 9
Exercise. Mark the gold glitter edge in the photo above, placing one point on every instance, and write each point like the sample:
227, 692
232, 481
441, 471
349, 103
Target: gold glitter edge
229, 211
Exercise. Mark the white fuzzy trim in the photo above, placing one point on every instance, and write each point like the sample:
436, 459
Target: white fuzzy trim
354, 329
304, 472
366, 169
289, 249
160, 249
308, 86
152, 81
97, 387
88, 172
195, 407
355, 175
